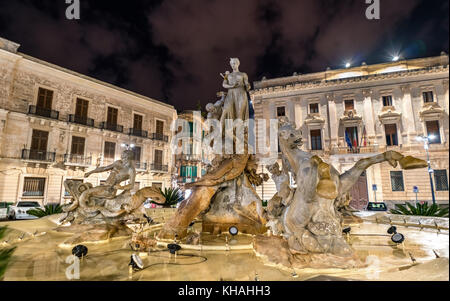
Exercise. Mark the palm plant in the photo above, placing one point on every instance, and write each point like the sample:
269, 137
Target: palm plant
5, 254
49, 209
172, 197
421, 210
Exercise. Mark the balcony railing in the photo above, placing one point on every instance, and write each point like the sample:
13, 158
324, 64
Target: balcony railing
159, 167
140, 165
357, 150
34, 110
111, 127
35, 155
77, 160
138, 133
81, 120
160, 137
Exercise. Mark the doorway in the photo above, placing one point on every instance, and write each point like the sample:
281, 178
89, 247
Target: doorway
359, 193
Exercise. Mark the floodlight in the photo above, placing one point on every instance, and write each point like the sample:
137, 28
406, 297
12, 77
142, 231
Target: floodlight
347, 65
173, 248
80, 251
398, 238
233, 230
136, 263
346, 230
395, 58
392, 230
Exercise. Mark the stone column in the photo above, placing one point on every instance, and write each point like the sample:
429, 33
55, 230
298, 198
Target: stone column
290, 107
408, 114
368, 119
333, 121
298, 113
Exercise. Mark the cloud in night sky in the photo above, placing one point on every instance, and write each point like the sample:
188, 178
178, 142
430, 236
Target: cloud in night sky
174, 50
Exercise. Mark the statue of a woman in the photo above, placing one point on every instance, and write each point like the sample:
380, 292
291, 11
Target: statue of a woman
236, 102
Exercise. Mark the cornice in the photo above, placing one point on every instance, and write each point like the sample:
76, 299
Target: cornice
351, 80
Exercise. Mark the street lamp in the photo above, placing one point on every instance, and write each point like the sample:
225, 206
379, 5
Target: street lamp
426, 142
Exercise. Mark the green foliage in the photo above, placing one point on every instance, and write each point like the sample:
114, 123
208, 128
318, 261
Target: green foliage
421, 210
5, 254
49, 209
172, 196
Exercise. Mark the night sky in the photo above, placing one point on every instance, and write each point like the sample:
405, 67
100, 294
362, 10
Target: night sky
174, 50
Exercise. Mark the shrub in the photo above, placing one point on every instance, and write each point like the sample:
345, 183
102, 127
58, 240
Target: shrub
5, 254
421, 210
172, 197
49, 209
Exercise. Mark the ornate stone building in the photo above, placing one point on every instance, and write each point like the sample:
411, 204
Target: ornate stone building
191, 163
56, 124
351, 113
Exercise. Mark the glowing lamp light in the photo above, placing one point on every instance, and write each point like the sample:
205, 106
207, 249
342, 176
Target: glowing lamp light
431, 137
347, 65
395, 58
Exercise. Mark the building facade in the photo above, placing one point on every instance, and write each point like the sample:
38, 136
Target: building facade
192, 162
348, 114
56, 124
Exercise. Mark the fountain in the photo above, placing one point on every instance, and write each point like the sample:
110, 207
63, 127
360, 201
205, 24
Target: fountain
303, 232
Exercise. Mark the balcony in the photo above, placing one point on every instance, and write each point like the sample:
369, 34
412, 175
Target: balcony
77, 160
140, 165
33, 110
111, 127
356, 150
160, 137
159, 167
40, 156
81, 120
138, 133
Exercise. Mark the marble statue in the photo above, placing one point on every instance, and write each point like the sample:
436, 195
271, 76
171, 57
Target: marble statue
236, 102
311, 225
97, 213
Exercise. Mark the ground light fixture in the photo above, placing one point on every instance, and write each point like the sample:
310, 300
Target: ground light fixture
347, 65
346, 230
395, 58
397, 238
136, 263
233, 230
80, 251
173, 248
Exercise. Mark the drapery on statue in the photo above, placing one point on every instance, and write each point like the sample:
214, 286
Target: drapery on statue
311, 226
236, 102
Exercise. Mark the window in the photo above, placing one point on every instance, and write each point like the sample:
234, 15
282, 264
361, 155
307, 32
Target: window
38, 149
78, 146
433, 130
112, 116
159, 127
45, 98
158, 157
427, 96
387, 101
33, 187
281, 111
137, 154
110, 150
397, 181
39, 141
81, 110
316, 140
440, 178
349, 104
391, 134
351, 136
314, 108
137, 122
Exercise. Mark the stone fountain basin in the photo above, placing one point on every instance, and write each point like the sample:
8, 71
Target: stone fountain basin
41, 255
